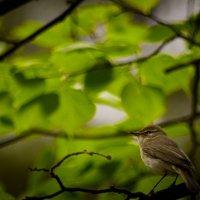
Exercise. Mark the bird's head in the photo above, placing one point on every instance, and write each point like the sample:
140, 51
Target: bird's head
151, 130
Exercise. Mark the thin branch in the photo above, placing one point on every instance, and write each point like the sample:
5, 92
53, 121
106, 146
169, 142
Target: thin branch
194, 107
129, 8
182, 65
175, 30
8, 140
181, 119
139, 195
50, 196
176, 192
120, 62
173, 193
9, 5
53, 175
76, 154
145, 58
26, 40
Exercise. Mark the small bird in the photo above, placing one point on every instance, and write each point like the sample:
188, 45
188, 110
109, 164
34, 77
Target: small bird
163, 155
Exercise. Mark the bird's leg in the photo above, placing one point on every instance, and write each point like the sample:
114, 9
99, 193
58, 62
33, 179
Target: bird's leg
174, 182
152, 191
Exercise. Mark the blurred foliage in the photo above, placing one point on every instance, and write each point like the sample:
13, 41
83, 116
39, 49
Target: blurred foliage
58, 87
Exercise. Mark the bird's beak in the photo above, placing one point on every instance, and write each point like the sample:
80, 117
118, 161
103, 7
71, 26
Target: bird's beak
137, 133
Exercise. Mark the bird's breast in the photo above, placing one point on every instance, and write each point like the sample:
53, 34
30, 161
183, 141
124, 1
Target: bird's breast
157, 165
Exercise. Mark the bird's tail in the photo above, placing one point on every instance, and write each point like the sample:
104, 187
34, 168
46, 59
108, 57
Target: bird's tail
190, 180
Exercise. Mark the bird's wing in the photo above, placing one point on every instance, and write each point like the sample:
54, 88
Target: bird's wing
168, 151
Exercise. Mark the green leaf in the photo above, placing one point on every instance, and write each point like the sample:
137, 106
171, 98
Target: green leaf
5, 76
87, 22
74, 110
143, 5
56, 35
122, 30
24, 90
119, 49
153, 73
4, 195
158, 33
142, 103
76, 58
97, 80
6, 112
25, 29
36, 112
36, 67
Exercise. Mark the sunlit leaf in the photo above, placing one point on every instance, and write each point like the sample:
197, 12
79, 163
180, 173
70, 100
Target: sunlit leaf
4, 195
25, 90
74, 110
158, 33
153, 73
142, 102
144, 5
123, 31
77, 58
36, 112
97, 80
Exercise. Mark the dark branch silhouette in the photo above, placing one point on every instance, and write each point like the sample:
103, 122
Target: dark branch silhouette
171, 192
9, 5
182, 65
194, 108
26, 40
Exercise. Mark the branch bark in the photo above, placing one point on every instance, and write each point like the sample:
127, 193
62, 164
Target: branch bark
173, 193
9, 5
16, 137
26, 40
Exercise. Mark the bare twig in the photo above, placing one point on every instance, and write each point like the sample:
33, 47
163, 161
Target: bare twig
92, 191
174, 193
52, 173
26, 40
170, 193
182, 119
76, 154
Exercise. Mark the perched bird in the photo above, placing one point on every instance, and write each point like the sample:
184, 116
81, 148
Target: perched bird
163, 155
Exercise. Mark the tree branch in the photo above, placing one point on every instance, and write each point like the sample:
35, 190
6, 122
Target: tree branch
175, 192
182, 65
9, 5
194, 107
129, 8
76, 154
145, 58
52, 174
26, 40
10, 139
